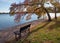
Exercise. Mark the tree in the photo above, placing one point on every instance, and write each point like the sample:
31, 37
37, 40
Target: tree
55, 13
56, 7
32, 6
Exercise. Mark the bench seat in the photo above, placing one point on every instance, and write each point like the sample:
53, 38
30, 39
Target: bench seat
22, 29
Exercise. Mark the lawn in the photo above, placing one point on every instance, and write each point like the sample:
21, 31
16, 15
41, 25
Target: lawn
46, 32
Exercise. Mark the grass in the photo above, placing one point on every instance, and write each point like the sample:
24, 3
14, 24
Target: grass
46, 32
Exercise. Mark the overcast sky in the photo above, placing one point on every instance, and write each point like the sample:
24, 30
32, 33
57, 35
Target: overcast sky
5, 4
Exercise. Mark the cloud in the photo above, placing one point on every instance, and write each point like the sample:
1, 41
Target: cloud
8, 1
5, 4
12, 1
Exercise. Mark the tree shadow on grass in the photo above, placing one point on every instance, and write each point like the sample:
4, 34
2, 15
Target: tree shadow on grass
36, 30
40, 27
55, 26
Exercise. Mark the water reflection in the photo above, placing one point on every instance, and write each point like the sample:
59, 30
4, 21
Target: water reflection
6, 20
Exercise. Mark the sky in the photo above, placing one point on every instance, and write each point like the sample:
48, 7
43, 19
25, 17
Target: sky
5, 4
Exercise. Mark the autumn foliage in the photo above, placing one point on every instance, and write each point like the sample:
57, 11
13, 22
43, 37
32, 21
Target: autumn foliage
33, 6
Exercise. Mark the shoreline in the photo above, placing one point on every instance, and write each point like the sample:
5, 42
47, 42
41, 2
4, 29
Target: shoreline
8, 34
21, 25
2, 28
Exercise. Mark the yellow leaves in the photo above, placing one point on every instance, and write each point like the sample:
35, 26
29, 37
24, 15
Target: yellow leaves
40, 11
50, 9
43, 13
51, 1
34, 1
56, 4
12, 12
34, 7
29, 9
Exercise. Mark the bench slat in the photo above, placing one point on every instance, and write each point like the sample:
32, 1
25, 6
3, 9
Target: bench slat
22, 29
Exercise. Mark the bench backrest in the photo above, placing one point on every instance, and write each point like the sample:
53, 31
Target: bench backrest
25, 27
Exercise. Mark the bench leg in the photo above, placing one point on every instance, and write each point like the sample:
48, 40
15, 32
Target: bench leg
16, 37
19, 37
28, 31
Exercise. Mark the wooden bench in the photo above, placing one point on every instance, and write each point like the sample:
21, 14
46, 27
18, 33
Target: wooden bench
22, 29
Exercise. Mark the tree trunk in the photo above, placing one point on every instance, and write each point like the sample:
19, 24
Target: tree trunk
55, 13
49, 18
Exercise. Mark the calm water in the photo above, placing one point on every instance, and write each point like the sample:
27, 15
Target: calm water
6, 20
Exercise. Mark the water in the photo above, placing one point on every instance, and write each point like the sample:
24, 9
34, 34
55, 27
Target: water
7, 21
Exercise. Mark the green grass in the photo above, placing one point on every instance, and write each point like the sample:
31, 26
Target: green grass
46, 32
